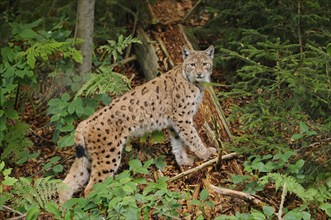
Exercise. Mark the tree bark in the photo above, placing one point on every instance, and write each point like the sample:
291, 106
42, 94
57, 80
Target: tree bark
84, 31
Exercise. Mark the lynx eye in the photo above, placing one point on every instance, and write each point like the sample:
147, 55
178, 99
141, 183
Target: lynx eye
192, 64
205, 64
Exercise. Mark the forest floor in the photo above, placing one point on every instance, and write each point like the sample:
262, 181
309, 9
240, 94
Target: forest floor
41, 132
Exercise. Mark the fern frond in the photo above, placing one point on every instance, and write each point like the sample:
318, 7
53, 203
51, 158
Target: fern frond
47, 48
16, 141
309, 195
40, 192
106, 82
115, 48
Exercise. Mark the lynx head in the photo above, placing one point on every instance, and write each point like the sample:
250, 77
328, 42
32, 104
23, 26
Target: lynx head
198, 65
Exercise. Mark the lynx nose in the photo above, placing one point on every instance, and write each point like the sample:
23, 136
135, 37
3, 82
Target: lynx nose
199, 74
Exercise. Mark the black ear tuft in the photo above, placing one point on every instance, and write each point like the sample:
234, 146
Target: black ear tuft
186, 52
210, 51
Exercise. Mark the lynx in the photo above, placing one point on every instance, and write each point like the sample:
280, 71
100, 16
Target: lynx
169, 101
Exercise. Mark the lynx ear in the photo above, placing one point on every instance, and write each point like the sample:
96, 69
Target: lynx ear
210, 51
186, 52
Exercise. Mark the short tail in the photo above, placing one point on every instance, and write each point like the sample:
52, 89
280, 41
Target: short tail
80, 170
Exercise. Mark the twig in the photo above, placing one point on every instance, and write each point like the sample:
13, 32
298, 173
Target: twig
135, 15
165, 51
299, 30
195, 169
41, 137
124, 61
189, 44
238, 194
280, 211
219, 144
190, 12
21, 215
220, 113
18, 217
149, 9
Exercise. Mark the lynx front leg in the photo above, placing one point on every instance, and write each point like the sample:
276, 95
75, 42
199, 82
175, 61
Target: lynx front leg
190, 136
178, 149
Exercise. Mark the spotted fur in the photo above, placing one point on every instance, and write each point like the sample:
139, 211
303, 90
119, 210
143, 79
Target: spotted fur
170, 100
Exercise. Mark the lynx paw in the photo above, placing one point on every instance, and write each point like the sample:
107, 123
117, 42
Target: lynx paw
212, 151
206, 153
187, 162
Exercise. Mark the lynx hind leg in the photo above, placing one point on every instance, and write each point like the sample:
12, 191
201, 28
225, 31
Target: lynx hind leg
76, 178
179, 149
105, 167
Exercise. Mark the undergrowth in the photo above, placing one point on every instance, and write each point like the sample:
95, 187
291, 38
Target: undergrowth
276, 58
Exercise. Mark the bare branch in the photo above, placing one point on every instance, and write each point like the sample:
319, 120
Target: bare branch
238, 194
196, 169
21, 215
280, 211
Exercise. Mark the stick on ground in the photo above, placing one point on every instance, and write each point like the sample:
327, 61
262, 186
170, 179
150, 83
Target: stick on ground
195, 169
238, 194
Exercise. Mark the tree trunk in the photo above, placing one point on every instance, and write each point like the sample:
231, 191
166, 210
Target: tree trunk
169, 35
84, 31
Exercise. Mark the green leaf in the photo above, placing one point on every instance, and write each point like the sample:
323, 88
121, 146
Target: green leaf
31, 60
209, 204
52, 208
225, 217
135, 164
128, 188
9, 181
257, 215
260, 167
204, 195
326, 207
11, 114
58, 168
268, 211
65, 97
28, 34
311, 133
303, 127
71, 202
55, 159
140, 181
195, 202
141, 170
148, 163
328, 49
160, 163
297, 136
157, 136
200, 217
295, 214
2, 165
6, 172
76, 105
55, 118
67, 128
67, 140
239, 179
33, 213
